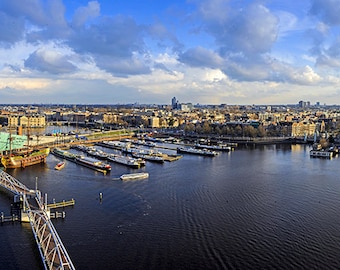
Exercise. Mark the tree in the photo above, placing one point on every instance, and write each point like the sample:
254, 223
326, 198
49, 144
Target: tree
206, 128
261, 132
250, 131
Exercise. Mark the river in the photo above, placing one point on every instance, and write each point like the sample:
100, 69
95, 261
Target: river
263, 207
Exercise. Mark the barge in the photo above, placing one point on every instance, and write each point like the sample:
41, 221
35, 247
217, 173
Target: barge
194, 151
93, 164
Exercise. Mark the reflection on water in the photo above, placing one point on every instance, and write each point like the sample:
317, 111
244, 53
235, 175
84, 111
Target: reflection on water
264, 207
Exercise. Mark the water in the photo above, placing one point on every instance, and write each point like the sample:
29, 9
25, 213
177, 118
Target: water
269, 207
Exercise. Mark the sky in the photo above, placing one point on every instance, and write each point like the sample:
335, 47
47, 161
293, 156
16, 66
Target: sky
146, 52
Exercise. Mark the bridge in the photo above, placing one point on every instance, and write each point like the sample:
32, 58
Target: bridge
52, 251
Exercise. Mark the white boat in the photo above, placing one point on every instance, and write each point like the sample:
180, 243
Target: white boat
194, 151
214, 147
321, 153
134, 176
125, 160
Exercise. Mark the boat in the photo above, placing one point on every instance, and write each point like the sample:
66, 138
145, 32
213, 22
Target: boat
194, 151
93, 163
64, 154
134, 176
148, 157
25, 158
220, 147
321, 153
97, 153
10, 141
318, 151
125, 160
60, 165
114, 144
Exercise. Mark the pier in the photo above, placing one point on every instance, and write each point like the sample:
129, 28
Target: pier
61, 204
52, 251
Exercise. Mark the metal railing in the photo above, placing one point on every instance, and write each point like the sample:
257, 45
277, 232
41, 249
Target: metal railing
51, 248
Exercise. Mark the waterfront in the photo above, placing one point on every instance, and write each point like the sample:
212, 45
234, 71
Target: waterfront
264, 207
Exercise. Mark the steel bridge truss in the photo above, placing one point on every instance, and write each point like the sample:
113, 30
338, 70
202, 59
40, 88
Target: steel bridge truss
13, 185
51, 248
50, 245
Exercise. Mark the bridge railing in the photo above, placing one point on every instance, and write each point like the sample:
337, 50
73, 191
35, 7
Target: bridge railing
13, 185
51, 248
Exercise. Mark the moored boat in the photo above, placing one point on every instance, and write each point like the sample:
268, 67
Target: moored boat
93, 163
124, 160
214, 147
321, 153
64, 154
202, 152
148, 157
24, 159
134, 176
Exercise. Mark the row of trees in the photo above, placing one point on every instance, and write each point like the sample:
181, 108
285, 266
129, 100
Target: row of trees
237, 130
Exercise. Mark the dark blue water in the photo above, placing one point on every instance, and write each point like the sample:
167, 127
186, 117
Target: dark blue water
269, 207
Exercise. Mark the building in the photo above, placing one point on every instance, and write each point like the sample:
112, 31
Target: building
174, 103
303, 129
154, 122
31, 121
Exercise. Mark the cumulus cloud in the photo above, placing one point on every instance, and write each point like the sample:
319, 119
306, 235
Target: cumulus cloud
50, 62
252, 30
83, 14
243, 38
305, 76
235, 44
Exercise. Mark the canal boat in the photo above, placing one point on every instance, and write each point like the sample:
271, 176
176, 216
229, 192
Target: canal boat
93, 163
147, 157
64, 154
221, 147
124, 160
321, 153
194, 151
134, 176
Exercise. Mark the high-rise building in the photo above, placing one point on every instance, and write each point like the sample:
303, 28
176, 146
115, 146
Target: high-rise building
174, 103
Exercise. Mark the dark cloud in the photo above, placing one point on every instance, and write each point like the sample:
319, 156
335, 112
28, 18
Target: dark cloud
32, 10
327, 10
110, 36
47, 17
112, 42
49, 61
201, 57
122, 67
252, 30
243, 38
11, 29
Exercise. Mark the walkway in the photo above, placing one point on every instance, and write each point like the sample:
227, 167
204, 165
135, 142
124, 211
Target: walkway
51, 248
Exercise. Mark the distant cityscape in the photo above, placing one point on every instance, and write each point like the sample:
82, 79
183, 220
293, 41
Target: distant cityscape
296, 120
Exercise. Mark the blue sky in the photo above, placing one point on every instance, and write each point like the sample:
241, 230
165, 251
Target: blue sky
201, 51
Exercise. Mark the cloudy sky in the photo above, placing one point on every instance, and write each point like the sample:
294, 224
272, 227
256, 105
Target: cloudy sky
200, 51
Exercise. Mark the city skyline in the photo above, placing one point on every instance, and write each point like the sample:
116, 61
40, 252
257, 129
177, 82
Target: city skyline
201, 51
